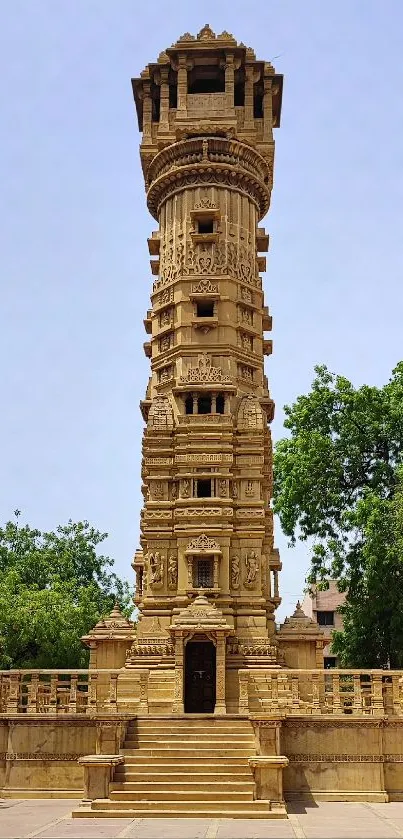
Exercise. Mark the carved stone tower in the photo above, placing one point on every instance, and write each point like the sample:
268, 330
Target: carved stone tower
207, 575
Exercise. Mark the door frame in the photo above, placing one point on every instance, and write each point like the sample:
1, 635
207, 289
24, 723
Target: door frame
199, 639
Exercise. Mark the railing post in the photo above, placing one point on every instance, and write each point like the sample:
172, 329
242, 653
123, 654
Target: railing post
13, 696
377, 698
143, 704
357, 698
295, 691
336, 693
397, 683
73, 694
92, 692
243, 691
33, 693
112, 700
53, 692
315, 694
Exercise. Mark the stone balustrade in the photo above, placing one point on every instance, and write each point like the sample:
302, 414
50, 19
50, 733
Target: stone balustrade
77, 692
288, 692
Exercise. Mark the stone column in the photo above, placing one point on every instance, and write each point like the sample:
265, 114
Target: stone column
147, 111
164, 102
249, 70
194, 397
182, 84
275, 583
267, 110
178, 706
220, 707
229, 81
213, 403
215, 571
190, 571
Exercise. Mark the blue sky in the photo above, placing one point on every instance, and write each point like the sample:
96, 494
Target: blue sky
73, 227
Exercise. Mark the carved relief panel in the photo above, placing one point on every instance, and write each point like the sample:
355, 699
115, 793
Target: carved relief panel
251, 569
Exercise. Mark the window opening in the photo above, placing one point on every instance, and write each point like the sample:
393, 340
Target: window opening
325, 618
189, 405
204, 488
220, 404
329, 661
205, 225
206, 80
203, 577
239, 88
204, 405
155, 103
205, 308
258, 101
173, 96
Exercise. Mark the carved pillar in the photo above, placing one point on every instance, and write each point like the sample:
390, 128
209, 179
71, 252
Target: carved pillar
164, 102
215, 571
267, 110
182, 84
220, 707
147, 110
275, 583
190, 571
194, 397
178, 706
229, 81
249, 70
213, 403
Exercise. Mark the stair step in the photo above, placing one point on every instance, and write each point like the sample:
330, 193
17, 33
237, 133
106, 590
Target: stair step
178, 796
214, 736
144, 806
179, 785
190, 813
130, 777
201, 753
184, 762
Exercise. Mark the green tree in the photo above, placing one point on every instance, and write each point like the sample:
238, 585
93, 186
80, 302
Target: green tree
337, 482
54, 587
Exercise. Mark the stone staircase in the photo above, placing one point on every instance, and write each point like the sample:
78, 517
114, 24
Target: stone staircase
193, 766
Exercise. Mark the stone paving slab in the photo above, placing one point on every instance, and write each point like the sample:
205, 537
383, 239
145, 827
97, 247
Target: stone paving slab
51, 819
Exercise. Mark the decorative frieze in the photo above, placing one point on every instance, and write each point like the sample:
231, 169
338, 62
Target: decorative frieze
205, 373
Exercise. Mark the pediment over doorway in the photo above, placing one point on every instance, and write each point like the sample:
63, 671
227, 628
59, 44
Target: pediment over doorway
200, 616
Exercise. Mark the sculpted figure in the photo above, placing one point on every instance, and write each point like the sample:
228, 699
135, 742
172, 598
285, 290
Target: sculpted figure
172, 572
251, 563
156, 568
185, 488
235, 572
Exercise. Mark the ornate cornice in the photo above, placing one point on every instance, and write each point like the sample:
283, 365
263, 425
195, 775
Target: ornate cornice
209, 160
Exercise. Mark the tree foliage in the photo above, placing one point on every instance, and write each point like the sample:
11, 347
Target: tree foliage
54, 587
337, 481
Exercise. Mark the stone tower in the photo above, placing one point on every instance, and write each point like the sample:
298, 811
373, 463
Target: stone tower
207, 574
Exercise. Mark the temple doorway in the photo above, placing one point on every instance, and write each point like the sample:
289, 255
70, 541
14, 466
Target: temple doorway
200, 677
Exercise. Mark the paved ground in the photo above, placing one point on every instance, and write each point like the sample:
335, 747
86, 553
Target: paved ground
323, 820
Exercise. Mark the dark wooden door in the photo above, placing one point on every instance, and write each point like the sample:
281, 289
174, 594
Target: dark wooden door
200, 677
